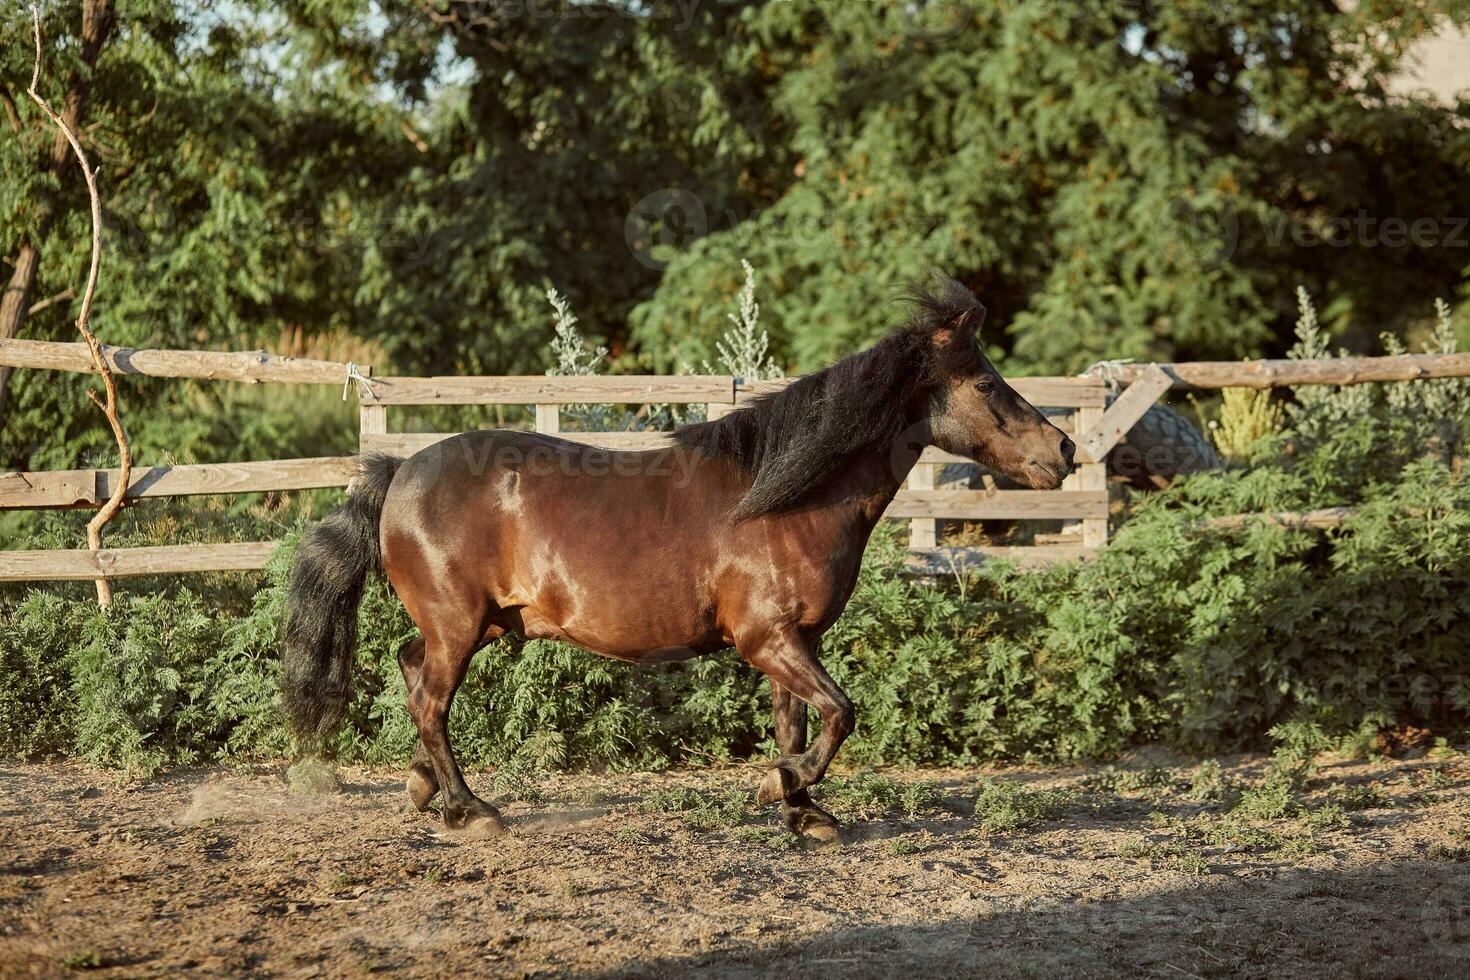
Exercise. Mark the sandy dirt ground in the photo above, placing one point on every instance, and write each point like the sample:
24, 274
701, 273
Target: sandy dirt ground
1138, 870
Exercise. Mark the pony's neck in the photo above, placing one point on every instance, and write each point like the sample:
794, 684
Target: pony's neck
874, 475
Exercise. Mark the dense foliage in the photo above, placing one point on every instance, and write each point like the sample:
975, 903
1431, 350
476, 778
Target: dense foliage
1202, 638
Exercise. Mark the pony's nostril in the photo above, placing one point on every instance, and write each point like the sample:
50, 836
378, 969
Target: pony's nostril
1069, 448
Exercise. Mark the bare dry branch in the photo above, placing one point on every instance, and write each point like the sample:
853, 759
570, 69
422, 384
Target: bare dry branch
109, 405
61, 297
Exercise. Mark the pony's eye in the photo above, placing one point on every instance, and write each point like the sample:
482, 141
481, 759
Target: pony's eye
985, 386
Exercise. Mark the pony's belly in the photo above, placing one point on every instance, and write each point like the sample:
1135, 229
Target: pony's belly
650, 645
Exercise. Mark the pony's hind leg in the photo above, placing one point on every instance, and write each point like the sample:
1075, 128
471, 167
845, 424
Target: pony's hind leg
423, 785
800, 815
443, 668
787, 658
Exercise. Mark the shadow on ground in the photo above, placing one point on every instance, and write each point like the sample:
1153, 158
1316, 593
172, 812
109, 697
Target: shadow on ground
1410, 919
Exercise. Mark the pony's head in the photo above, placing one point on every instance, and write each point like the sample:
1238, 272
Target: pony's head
972, 411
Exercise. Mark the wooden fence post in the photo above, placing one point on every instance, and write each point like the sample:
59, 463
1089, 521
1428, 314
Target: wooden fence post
548, 419
923, 532
1092, 476
372, 420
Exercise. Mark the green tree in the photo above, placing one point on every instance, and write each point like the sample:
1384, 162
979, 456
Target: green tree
1113, 178
239, 161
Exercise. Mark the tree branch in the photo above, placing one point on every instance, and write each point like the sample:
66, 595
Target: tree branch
11, 112
109, 406
61, 297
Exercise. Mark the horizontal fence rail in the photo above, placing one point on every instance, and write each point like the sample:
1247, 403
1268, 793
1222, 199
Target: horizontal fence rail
172, 559
90, 488
250, 367
1284, 373
1081, 392
548, 390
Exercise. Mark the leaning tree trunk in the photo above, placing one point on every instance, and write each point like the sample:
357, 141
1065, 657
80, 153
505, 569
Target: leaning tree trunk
15, 303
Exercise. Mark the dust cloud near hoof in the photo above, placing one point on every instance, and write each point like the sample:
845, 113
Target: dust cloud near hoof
312, 777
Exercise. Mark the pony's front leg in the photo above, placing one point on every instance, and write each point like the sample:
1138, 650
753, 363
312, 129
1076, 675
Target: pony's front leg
800, 815
787, 658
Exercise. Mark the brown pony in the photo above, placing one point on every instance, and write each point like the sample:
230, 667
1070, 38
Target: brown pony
746, 531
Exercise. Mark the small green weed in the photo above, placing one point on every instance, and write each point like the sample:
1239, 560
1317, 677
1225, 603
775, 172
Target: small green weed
347, 880
85, 959
775, 838
1190, 863
1002, 808
911, 843
1209, 784
1326, 818
869, 796
629, 835
1123, 781
1271, 799
694, 807
1360, 797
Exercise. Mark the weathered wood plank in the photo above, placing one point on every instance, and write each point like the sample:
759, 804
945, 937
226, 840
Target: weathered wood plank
58, 488
372, 420
947, 561
1305, 520
31, 566
247, 366
923, 531
1092, 477
1324, 371
975, 505
1084, 392
72, 488
1121, 415
490, 390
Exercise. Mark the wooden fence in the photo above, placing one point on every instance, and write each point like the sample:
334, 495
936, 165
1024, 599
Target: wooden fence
1079, 406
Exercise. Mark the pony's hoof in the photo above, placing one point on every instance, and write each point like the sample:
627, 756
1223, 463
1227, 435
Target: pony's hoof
779, 783
481, 827
479, 821
821, 832
812, 823
422, 788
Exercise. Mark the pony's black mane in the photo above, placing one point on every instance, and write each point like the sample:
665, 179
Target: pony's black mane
794, 439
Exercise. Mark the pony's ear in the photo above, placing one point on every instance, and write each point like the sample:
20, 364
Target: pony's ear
962, 326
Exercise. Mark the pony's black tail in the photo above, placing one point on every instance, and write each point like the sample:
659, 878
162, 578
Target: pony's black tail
332, 564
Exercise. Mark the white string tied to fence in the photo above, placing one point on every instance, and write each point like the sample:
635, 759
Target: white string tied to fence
364, 383
1111, 372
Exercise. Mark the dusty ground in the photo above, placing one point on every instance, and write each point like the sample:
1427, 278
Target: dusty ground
1132, 871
